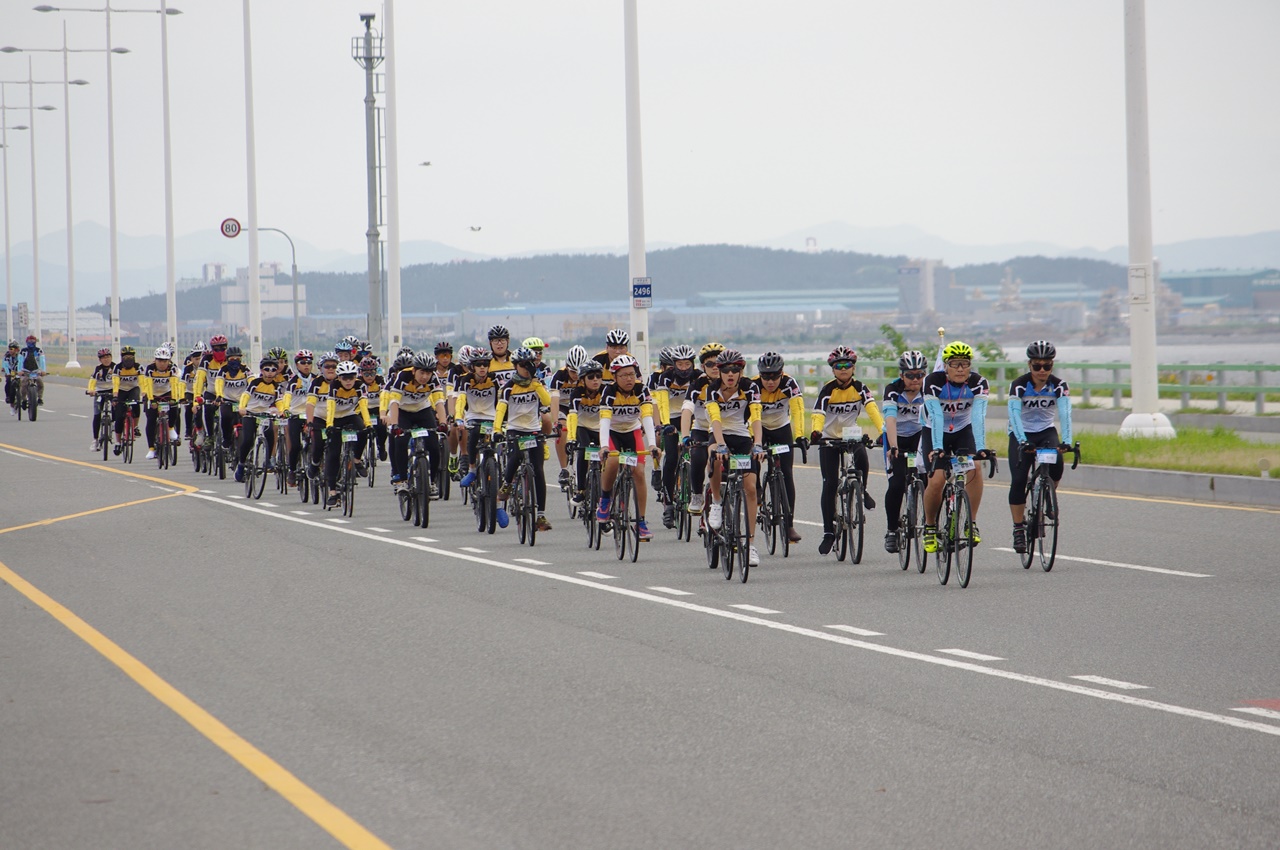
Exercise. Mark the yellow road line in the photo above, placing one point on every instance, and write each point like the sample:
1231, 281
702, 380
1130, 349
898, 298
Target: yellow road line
52, 520
326, 815
186, 488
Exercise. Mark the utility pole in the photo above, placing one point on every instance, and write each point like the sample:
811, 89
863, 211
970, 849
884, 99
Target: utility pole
367, 51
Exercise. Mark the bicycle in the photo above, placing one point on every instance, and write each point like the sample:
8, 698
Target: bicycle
774, 516
215, 453
28, 394
415, 498
484, 489
591, 496
255, 467
624, 510
850, 520
106, 415
346, 468
163, 444
522, 506
127, 434
195, 442
683, 492
1042, 506
910, 526
370, 458
955, 519
730, 542
281, 461
309, 487
444, 480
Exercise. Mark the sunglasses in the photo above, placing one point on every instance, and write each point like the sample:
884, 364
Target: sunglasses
959, 364
1042, 367
732, 370
770, 376
330, 365
219, 348
914, 375
843, 364
303, 362
270, 369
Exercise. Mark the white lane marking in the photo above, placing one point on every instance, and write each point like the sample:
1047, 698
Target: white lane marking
215, 492
234, 496
672, 591
27, 457
473, 549
266, 504
532, 561
1111, 683
976, 656
1261, 712
299, 513
76, 415
47, 410
801, 631
755, 609
427, 539
1122, 566
854, 630
590, 574
339, 521
379, 530
807, 522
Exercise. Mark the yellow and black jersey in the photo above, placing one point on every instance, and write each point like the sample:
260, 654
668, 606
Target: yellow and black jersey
162, 384
522, 407
695, 401
207, 377
262, 394
624, 411
126, 378
410, 396
189, 371
561, 386
233, 380
373, 390
584, 410
782, 407
735, 410
100, 380
837, 408
606, 361
341, 403
296, 388
670, 389
317, 392
502, 370
477, 400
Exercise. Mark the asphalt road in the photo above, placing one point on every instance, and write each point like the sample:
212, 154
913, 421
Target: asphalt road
181, 667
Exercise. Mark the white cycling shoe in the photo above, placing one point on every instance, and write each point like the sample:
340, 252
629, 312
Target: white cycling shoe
151, 454
753, 557
715, 517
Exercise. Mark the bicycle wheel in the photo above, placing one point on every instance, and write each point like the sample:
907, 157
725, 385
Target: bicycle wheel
963, 530
104, 431
406, 497
858, 530
740, 536
904, 530
422, 494
490, 493
709, 542
371, 458
786, 516
515, 507
33, 400
1031, 522
684, 519
348, 483
621, 514
162, 449
1047, 533
444, 482
844, 520
767, 519
259, 470
529, 506
725, 540
915, 493
633, 522
943, 555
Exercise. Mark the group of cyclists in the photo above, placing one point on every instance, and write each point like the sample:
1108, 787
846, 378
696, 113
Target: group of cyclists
23, 366
702, 402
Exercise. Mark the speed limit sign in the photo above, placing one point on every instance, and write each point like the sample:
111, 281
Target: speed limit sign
230, 228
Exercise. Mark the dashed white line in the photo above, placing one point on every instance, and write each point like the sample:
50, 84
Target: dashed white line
234, 496
339, 521
1260, 712
379, 530
299, 513
755, 609
976, 656
854, 630
590, 574
672, 591
1183, 573
267, 504
533, 562
214, 492
425, 539
473, 549
807, 522
1111, 683
76, 415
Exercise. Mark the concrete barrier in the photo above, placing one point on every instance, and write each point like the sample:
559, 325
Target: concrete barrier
1188, 486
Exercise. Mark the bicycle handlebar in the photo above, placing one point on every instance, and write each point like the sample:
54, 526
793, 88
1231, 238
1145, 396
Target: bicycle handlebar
990, 459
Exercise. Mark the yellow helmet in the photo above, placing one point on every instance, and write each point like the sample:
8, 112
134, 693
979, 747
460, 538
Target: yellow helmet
957, 349
534, 343
711, 349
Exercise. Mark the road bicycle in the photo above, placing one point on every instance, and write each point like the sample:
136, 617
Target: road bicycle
624, 509
910, 517
522, 505
591, 495
955, 519
347, 468
106, 416
775, 518
370, 458
684, 491
309, 474
28, 395
165, 448
280, 464
442, 477
1042, 505
484, 489
850, 524
255, 467
730, 543
215, 453
128, 433
415, 498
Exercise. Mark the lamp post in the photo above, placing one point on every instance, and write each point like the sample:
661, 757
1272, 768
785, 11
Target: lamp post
294, 253
8, 276
67, 82
111, 161
635, 191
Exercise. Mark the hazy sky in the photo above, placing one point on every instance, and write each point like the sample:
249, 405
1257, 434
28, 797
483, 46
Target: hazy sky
983, 121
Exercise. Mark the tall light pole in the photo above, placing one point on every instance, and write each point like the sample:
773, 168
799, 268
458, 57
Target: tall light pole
67, 82
635, 195
8, 270
296, 338
367, 51
251, 159
394, 317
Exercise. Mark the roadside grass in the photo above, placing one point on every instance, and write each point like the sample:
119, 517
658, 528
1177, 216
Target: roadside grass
1220, 451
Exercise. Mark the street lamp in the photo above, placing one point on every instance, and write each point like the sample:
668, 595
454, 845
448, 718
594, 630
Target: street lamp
296, 339
8, 276
67, 82
106, 11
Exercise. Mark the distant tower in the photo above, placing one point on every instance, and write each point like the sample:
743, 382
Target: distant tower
811, 244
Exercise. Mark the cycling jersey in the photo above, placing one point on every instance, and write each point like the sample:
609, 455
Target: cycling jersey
950, 407
32, 359
695, 403
410, 396
164, 385
837, 408
736, 411
373, 391
100, 380
584, 410
477, 400
670, 390
316, 393
342, 403
11, 363
126, 379
233, 380
522, 407
296, 389
261, 395
905, 410
561, 385
207, 377
502, 370
1031, 410
783, 406
624, 411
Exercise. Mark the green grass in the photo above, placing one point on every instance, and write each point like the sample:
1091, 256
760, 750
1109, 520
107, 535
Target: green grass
1220, 451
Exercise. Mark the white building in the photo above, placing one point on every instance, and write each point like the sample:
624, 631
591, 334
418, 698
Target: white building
277, 298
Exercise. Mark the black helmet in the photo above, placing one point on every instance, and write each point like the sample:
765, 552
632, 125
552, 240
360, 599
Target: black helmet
234, 351
499, 332
770, 361
912, 361
444, 347
591, 367
424, 360
730, 357
1041, 349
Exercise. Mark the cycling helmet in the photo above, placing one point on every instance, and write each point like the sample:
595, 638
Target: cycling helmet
199, 348
499, 332
13, 343
303, 355
443, 347
622, 361
480, 355
32, 338
405, 349
591, 367
525, 355
730, 357
269, 361
664, 357
347, 343
841, 352
328, 357
576, 358
278, 353
617, 336
682, 352
102, 352
911, 361
234, 351
709, 351
1041, 349
960, 350
348, 367
217, 339
770, 361
533, 342
163, 353
424, 360
369, 364
127, 351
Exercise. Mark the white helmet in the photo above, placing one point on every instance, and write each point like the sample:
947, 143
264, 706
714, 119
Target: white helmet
164, 353
348, 367
576, 357
622, 361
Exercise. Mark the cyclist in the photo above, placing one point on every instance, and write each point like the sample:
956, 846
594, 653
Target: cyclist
447, 374
296, 387
265, 396
733, 411
582, 425
126, 391
477, 403
525, 406
316, 392
617, 342
903, 402
10, 366
781, 419
373, 389
161, 383
561, 385
205, 390
31, 367
955, 420
189, 369
100, 389
670, 389
538, 347
415, 399
346, 408
1032, 400
626, 405
694, 425
232, 382
500, 368
281, 357
840, 401
347, 349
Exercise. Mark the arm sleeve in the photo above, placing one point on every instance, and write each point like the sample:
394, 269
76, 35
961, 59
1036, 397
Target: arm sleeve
201, 377
933, 416
1064, 411
218, 386
979, 423
797, 417
148, 387
1015, 419
115, 383
93, 382
647, 424
877, 421
571, 425
662, 397
606, 417
753, 412
363, 409
713, 411
499, 415
328, 412
460, 407
243, 404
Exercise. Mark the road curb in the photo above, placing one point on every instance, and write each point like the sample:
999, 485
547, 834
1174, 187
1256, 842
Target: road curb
1191, 486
